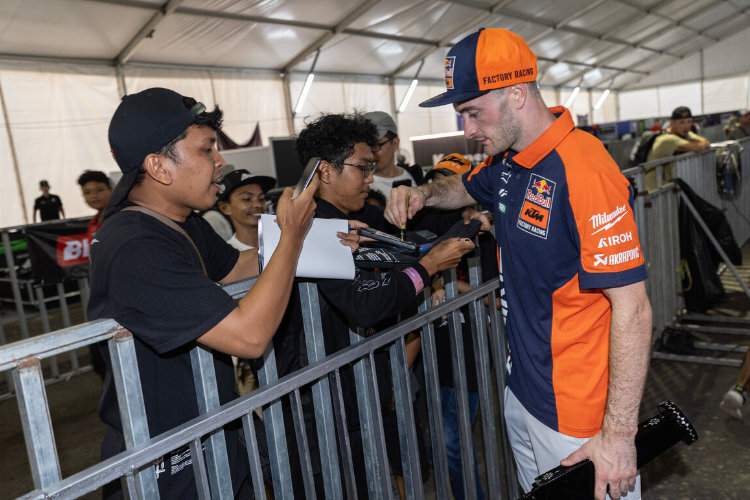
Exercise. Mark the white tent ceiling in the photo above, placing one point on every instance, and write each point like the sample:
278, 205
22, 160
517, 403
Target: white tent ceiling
65, 63
595, 43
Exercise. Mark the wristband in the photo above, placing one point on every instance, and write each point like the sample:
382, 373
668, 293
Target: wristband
416, 279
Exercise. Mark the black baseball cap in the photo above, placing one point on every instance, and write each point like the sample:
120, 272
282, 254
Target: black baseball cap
142, 124
241, 177
681, 112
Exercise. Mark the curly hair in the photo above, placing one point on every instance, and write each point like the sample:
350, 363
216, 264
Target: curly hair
93, 176
332, 137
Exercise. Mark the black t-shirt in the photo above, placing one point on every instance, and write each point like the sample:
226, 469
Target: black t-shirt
148, 277
48, 206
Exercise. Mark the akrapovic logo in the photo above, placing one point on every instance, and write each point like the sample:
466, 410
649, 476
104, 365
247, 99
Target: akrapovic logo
617, 258
604, 220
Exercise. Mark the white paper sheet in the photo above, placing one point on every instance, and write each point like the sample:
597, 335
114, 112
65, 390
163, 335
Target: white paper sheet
322, 255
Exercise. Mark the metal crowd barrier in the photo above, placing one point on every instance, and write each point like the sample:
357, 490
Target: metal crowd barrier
657, 220
135, 467
27, 293
658, 226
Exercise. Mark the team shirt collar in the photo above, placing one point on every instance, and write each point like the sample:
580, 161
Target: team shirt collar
548, 141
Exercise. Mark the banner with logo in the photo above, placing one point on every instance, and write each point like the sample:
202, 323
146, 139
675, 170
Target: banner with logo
58, 251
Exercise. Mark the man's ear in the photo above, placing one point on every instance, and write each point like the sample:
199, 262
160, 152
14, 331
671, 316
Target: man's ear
326, 172
156, 168
518, 95
396, 143
224, 208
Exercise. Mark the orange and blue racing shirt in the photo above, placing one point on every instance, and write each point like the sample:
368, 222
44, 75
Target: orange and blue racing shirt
565, 230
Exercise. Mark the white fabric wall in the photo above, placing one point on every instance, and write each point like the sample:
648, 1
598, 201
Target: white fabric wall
684, 94
635, 104
726, 94
713, 96
416, 121
249, 99
12, 207
607, 113
59, 125
342, 96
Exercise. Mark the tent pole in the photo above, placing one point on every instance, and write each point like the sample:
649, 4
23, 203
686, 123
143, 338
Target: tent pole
120, 75
392, 95
288, 99
13, 156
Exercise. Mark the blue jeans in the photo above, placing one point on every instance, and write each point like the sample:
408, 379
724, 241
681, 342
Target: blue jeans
452, 446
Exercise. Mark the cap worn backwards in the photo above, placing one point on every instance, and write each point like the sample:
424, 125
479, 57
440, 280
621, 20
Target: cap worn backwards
681, 112
485, 60
142, 124
241, 177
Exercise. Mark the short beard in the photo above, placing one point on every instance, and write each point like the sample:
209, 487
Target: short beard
510, 128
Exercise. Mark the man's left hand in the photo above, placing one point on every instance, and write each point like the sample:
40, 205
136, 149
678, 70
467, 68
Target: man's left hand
614, 459
469, 213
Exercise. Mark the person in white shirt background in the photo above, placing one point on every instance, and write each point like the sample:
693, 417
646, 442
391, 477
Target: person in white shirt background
243, 198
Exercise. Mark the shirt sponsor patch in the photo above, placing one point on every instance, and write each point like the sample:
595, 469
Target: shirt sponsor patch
617, 258
606, 220
614, 240
450, 65
535, 211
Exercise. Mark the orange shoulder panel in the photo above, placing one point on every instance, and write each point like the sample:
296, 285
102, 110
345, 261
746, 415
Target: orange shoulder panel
599, 198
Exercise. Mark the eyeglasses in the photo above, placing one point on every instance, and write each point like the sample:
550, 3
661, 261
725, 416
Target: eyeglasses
378, 146
367, 169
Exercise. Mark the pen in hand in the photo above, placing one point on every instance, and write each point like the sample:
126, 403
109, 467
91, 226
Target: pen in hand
403, 225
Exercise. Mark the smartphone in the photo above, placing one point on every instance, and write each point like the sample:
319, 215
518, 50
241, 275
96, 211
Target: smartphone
307, 176
388, 238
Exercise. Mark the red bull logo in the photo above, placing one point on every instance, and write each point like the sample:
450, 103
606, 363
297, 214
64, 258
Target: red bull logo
542, 186
535, 213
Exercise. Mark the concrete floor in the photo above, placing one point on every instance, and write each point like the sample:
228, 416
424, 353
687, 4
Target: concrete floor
715, 467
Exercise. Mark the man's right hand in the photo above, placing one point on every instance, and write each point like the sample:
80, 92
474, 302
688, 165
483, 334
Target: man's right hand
294, 216
446, 255
403, 203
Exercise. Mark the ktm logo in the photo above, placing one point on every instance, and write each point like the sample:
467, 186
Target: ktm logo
533, 213
455, 159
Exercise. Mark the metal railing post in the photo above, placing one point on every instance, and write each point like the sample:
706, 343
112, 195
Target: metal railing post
371, 423
207, 394
132, 409
478, 313
273, 420
407, 433
14, 284
37, 424
321, 392
434, 411
46, 326
458, 363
